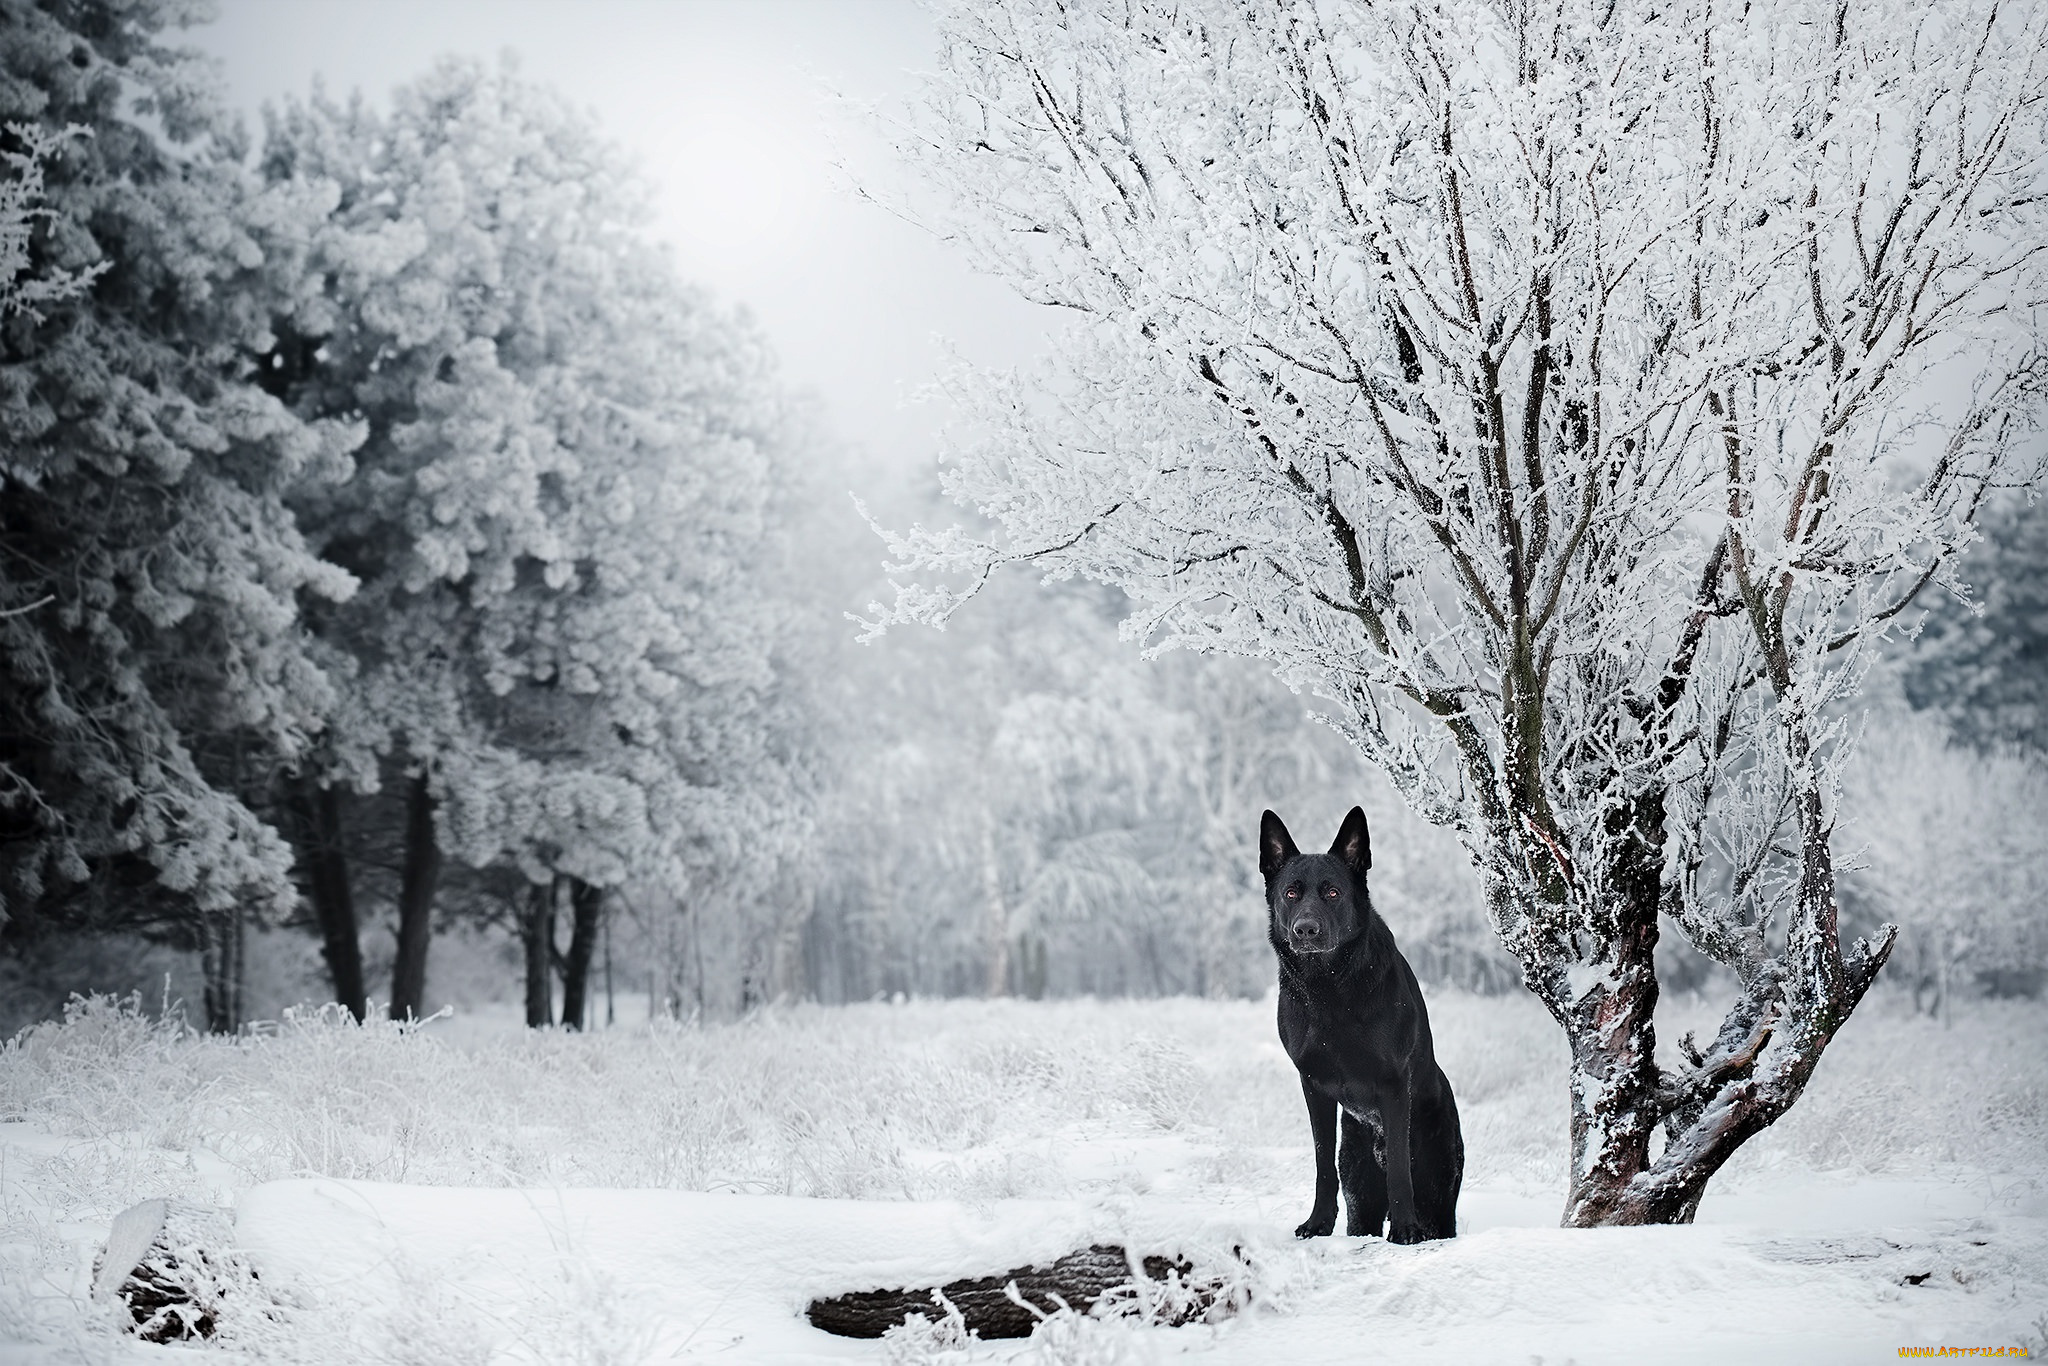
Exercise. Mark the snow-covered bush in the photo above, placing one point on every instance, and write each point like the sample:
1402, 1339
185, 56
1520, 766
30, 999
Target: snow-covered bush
1982, 663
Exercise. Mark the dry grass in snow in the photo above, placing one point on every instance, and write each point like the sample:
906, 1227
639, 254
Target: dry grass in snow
1185, 1102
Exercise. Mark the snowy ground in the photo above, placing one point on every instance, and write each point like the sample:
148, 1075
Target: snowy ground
471, 1193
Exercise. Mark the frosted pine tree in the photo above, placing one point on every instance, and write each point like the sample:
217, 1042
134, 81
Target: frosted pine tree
638, 739
153, 670
1569, 395
568, 462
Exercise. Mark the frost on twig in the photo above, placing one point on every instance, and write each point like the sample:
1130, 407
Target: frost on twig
21, 206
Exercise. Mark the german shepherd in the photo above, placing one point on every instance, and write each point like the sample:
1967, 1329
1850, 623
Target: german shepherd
1352, 1018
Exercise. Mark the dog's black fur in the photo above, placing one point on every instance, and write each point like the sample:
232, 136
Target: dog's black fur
1352, 1018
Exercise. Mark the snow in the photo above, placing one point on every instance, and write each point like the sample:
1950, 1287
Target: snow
701, 1274
1581, 978
1902, 1204
697, 1269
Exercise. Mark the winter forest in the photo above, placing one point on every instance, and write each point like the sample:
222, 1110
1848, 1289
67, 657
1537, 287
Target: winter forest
540, 828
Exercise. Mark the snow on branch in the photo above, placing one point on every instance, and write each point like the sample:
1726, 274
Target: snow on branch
21, 207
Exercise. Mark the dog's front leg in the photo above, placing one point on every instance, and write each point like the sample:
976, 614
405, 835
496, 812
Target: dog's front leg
1322, 1123
1402, 1225
1362, 1173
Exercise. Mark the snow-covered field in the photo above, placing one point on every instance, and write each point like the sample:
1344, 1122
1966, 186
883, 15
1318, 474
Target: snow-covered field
470, 1192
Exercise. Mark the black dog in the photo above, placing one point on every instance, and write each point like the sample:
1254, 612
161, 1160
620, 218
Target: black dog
1352, 1018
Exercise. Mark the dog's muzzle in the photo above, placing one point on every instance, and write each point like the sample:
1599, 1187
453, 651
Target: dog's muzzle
1308, 936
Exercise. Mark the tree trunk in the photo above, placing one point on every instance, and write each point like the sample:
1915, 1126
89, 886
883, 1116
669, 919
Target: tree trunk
1773, 1038
327, 883
537, 934
220, 956
998, 928
238, 978
1758, 1066
1031, 958
415, 903
1612, 1032
587, 902
1610, 1023
697, 955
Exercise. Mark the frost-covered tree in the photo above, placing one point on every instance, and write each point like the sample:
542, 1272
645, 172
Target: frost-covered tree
1083, 829
1567, 393
1983, 663
569, 457
153, 669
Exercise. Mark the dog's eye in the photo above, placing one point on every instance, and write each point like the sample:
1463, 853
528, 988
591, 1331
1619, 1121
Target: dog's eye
1294, 892
1329, 893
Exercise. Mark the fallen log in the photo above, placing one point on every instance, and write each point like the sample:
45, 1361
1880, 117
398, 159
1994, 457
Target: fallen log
1080, 1280
170, 1263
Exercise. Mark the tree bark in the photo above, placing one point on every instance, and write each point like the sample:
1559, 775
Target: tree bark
611, 1013
537, 934
238, 977
415, 903
1079, 1278
587, 903
327, 884
172, 1267
1611, 1026
220, 956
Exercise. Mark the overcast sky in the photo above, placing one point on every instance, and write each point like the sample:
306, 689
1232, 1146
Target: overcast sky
724, 103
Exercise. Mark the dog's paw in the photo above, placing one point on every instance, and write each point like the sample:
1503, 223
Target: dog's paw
1407, 1233
1359, 1230
1317, 1226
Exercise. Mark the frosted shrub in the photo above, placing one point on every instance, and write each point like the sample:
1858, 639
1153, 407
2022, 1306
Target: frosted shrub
922, 1340
1165, 1081
1066, 1338
932, 1100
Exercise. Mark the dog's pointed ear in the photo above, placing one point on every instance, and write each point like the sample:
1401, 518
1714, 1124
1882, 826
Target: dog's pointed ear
1353, 843
1276, 846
